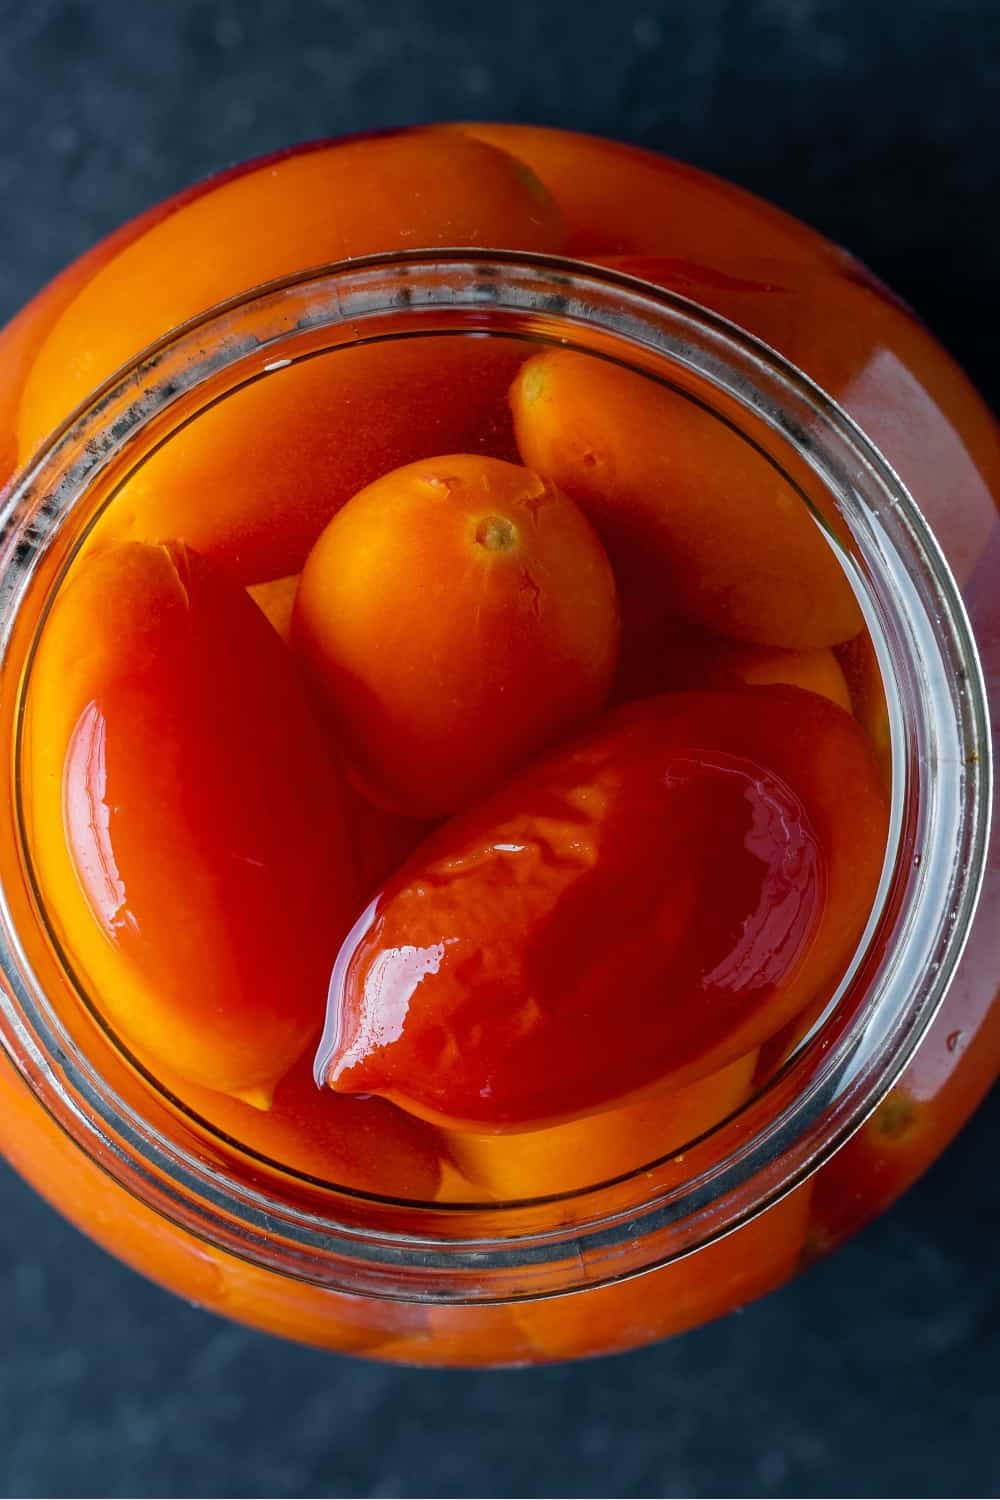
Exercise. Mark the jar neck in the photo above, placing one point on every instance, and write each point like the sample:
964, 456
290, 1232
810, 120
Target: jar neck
940, 796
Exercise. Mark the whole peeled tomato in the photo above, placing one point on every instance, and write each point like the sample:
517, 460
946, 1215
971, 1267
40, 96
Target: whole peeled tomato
632, 913
367, 1145
864, 347
460, 614
24, 335
405, 190
280, 455
189, 826
691, 514
621, 200
598, 1148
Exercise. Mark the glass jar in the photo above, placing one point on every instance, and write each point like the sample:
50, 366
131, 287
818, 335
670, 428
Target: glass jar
904, 1051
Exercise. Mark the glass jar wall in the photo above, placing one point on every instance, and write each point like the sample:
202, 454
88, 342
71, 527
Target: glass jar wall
838, 1117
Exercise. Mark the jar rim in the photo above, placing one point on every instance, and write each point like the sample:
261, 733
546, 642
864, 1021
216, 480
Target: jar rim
941, 799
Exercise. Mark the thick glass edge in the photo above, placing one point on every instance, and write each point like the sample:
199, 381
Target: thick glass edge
488, 285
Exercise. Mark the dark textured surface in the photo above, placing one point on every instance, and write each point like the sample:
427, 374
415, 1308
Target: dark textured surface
876, 1374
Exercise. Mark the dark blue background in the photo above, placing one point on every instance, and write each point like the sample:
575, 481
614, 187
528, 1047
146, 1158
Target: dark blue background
875, 1374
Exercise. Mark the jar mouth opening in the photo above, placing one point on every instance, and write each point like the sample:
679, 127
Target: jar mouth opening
928, 661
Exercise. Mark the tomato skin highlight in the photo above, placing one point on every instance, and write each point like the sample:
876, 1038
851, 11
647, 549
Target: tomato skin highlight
188, 821
721, 849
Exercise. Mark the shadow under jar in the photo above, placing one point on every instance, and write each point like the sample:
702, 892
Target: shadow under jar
381, 1233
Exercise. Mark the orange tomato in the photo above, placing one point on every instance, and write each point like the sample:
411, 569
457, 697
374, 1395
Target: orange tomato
633, 912
415, 189
382, 839
82, 1191
815, 671
620, 200
584, 1153
23, 336
19, 342
953, 1069
725, 1275
460, 613
188, 823
865, 347
278, 458
686, 508
364, 1144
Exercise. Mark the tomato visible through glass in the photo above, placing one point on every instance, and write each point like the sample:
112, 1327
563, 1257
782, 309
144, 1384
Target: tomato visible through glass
484, 701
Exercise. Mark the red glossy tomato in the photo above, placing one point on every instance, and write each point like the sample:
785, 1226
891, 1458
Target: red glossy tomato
188, 820
636, 910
